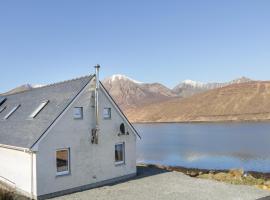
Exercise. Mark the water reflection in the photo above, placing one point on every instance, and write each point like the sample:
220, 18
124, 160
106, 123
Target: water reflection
210, 146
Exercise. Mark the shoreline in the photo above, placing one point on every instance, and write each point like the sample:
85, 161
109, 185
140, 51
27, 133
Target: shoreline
260, 180
203, 122
188, 171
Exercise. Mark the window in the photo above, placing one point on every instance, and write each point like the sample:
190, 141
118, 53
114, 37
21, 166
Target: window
120, 153
2, 100
107, 113
39, 108
78, 113
62, 162
2, 109
12, 111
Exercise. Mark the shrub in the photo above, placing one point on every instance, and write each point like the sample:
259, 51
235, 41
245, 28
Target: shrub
5, 195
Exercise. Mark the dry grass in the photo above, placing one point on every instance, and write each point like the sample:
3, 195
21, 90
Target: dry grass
5, 195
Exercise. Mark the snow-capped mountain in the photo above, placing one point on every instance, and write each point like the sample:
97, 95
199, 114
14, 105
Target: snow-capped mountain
130, 93
119, 77
188, 87
192, 83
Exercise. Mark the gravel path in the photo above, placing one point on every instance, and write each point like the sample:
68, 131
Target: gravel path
155, 184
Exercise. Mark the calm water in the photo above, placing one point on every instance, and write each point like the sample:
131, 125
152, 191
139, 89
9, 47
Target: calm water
208, 146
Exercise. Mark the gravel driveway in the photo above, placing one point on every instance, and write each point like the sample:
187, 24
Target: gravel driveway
156, 184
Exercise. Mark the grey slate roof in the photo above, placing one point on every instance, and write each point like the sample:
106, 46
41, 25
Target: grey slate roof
20, 131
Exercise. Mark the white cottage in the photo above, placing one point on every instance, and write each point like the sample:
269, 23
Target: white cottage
65, 137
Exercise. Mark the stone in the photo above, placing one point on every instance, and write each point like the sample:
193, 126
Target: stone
267, 183
193, 174
237, 173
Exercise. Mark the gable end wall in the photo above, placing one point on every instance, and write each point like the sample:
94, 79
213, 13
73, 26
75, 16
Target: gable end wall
90, 163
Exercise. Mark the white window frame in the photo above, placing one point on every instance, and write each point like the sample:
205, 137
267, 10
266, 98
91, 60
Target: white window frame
110, 109
81, 109
2, 109
124, 154
12, 111
39, 109
67, 172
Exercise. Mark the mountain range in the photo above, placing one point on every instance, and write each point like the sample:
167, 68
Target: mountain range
188, 87
248, 101
130, 93
189, 101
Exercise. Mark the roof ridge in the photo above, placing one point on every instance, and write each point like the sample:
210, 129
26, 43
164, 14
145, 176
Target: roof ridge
66, 81
50, 85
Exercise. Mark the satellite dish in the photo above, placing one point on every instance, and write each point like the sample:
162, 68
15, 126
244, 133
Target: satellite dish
122, 128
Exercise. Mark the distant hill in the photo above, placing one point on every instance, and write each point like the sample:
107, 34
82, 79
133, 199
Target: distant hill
243, 101
129, 93
21, 88
188, 88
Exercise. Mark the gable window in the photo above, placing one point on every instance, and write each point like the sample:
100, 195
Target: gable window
62, 162
78, 113
12, 111
107, 113
39, 108
120, 153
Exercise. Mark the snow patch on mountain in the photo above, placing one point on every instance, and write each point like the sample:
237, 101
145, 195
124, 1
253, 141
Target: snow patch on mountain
196, 84
193, 83
119, 77
31, 86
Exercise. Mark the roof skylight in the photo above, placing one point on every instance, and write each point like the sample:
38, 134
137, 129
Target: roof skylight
39, 108
2, 100
2, 109
12, 111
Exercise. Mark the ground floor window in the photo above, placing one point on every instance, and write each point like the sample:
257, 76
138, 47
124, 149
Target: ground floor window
120, 153
62, 162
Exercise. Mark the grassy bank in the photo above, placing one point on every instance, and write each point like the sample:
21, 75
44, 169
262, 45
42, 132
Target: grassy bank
234, 176
5, 195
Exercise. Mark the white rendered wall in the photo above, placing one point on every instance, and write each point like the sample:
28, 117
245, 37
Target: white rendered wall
15, 170
90, 163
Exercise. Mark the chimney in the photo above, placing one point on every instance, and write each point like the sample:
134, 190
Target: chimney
95, 131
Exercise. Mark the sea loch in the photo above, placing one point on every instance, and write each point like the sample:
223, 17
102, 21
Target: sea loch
206, 145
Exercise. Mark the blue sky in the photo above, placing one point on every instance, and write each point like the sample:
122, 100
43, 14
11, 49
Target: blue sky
151, 41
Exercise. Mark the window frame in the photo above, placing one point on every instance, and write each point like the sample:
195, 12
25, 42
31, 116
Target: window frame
81, 109
122, 162
41, 106
2, 109
13, 110
110, 109
2, 100
67, 172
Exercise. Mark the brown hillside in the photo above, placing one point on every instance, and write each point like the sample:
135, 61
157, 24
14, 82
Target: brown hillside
245, 101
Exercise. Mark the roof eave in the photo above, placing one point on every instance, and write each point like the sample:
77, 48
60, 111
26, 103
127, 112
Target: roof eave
15, 148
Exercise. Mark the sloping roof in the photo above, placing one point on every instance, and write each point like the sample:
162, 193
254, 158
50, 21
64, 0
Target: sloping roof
21, 131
